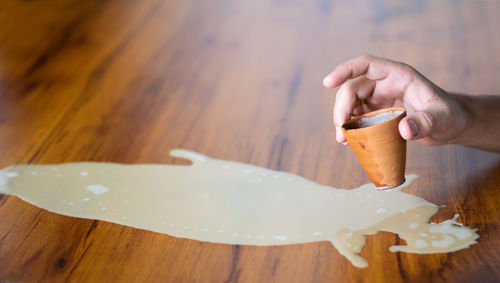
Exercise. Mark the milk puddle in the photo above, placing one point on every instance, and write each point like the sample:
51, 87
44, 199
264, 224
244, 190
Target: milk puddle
234, 203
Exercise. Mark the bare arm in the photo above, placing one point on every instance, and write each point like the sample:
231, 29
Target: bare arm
483, 121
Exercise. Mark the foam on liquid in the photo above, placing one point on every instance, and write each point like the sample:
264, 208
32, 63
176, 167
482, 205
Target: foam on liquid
234, 203
377, 119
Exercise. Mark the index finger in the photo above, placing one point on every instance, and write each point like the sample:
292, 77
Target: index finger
371, 67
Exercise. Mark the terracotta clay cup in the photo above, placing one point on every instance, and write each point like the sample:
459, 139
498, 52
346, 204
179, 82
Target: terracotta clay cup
375, 139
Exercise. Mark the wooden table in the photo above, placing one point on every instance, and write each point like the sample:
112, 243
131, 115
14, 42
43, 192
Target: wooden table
127, 81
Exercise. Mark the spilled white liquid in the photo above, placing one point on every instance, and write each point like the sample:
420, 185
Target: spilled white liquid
234, 203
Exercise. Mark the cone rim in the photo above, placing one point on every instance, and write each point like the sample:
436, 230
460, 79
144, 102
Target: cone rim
371, 114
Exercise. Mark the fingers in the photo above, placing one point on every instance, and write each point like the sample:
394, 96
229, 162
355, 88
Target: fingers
348, 97
371, 67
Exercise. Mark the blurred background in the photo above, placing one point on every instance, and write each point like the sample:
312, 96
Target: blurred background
127, 81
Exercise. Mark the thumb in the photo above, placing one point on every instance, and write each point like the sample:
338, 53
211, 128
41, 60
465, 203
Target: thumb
418, 125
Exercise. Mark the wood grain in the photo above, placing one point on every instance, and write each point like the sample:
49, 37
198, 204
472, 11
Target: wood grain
127, 81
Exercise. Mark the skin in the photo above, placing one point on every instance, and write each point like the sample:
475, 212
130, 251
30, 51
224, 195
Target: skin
434, 116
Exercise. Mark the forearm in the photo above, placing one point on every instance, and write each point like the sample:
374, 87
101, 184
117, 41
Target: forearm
483, 121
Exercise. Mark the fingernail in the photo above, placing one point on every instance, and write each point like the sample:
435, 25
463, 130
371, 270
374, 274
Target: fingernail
413, 128
327, 81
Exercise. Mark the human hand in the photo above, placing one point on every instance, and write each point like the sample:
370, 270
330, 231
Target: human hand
370, 83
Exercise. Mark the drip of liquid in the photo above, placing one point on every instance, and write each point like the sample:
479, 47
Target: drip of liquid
234, 203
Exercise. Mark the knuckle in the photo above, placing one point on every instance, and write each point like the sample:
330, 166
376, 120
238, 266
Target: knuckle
407, 73
407, 68
366, 56
428, 120
410, 72
349, 87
